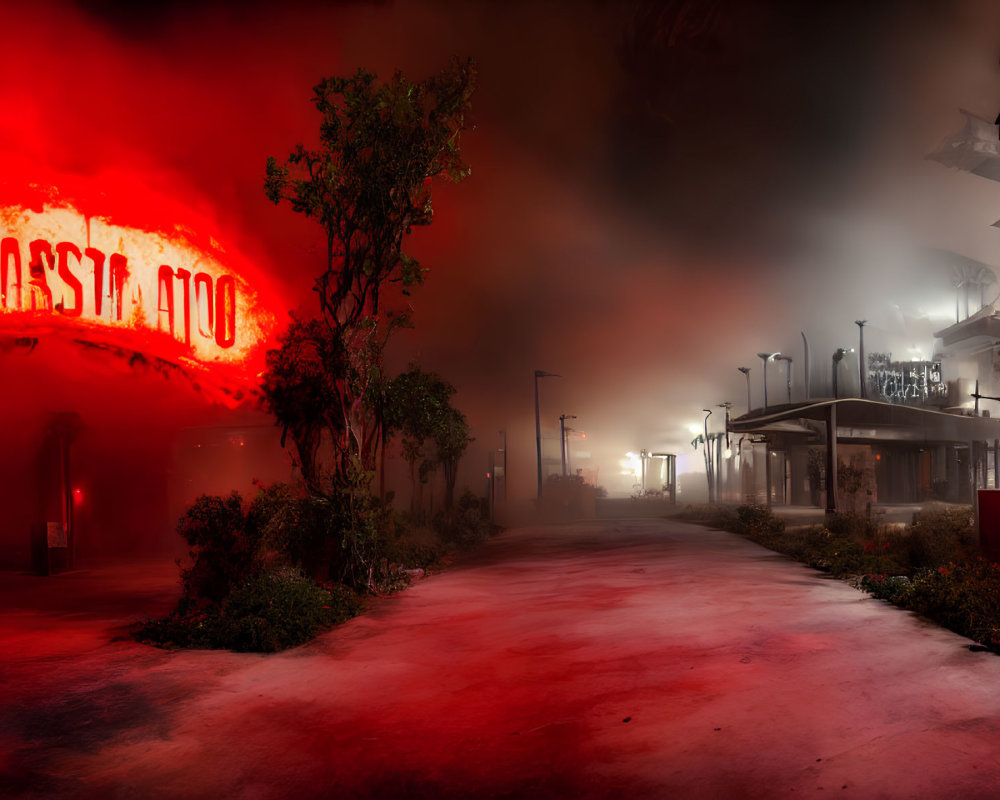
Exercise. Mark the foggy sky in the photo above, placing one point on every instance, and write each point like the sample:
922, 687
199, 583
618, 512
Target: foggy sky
658, 191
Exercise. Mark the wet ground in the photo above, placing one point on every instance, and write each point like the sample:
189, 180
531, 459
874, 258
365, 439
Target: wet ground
631, 658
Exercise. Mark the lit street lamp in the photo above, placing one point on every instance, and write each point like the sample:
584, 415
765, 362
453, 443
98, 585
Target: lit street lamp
746, 374
540, 373
765, 357
838, 356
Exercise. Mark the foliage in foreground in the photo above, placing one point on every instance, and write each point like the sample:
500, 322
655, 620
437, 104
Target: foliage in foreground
962, 597
273, 610
930, 567
272, 573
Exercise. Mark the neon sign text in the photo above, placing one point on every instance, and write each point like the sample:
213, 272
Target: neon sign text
61, 266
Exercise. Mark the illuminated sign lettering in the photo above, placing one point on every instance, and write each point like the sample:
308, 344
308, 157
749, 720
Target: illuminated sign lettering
58, 267
905, 381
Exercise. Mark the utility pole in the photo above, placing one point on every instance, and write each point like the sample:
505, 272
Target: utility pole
539, 373
562, 438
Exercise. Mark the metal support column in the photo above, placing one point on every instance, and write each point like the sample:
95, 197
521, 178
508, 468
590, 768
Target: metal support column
831, 459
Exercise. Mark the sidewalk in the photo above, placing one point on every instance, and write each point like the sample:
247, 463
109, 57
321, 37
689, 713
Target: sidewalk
886, 512
632, 658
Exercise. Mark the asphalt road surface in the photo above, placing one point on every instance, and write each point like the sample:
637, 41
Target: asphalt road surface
631, 658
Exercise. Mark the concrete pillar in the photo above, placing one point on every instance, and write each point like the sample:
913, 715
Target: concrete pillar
831, 459
996, 463
767, 472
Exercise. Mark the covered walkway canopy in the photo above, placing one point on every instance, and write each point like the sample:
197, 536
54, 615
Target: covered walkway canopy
873, 422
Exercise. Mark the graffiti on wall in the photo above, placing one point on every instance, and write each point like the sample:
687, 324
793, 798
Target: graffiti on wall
904, 381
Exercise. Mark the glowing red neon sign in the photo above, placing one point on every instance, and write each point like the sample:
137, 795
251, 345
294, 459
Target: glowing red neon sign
59, 267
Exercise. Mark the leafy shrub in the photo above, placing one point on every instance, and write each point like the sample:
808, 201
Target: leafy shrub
413, 548
894, 588
714, 514
224, 548
963, 597
940, 536
280, 609
849, 523
273, 610
840, 548
753, 520
468, 524
192, 629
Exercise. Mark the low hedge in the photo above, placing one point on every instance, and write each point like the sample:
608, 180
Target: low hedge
931, 567
271, 611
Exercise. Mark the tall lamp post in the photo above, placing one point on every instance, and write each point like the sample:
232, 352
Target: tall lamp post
746, 374
861, 356
540, 373
806, 365
708, 459
720, 488
765, 357
562, 438
788, 373
838, 356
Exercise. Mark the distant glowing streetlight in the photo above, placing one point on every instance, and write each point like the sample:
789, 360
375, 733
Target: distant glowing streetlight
765, 357
746, 374
540, 373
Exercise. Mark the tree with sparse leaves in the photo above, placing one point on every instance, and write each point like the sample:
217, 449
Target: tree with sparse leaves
433, 432
366, 185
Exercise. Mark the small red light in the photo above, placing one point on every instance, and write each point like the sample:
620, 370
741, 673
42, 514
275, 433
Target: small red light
78, 496
487, 474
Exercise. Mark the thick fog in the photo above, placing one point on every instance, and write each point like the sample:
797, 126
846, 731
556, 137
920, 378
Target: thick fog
659, 190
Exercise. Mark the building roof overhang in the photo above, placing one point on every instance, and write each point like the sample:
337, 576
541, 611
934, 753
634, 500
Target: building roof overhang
869, 420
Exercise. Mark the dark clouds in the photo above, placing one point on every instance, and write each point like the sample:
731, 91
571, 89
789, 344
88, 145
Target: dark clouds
659, 189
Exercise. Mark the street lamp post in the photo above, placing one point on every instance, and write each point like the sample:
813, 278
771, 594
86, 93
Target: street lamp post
838, 356
746, 374
540, 373
765, 357
806, 365
861, 356
562, 438
708, 459
788, 373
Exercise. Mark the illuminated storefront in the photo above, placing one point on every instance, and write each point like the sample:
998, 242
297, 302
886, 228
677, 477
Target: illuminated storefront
130, 361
